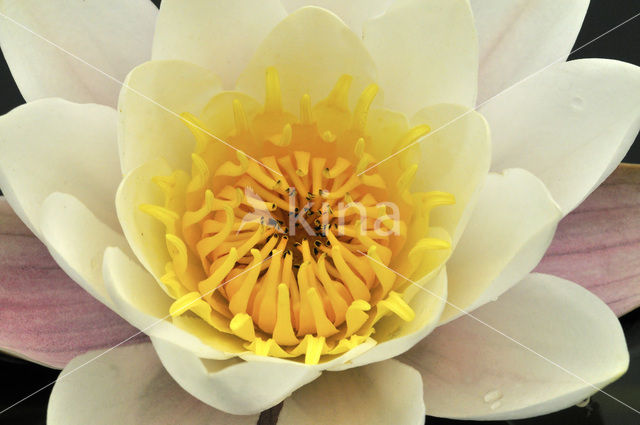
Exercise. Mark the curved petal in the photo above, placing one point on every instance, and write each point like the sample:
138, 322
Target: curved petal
509, 231
570, 125
45, 316
379, 394
235, 386
77, 239
426, 53
220, 35
519, 38
138, 297
427, 299
598, 244
75, 49
53, 145
145, 235
128, 386
152, 99
538, 357
311, 49
354, 13
455, 158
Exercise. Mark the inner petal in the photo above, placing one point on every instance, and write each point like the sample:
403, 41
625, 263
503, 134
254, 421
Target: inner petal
291, 246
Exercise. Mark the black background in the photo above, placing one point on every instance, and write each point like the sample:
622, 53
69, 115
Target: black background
19, 379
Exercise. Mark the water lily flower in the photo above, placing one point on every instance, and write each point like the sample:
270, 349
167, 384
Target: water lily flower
301, 203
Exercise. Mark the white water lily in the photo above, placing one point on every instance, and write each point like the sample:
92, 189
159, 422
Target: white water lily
127, 240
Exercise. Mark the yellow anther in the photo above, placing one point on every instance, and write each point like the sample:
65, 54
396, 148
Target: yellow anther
240, 117
171, 282
199, 173
262, 348
356, 286
283, 332
198, 130
240, 300
323, 326
302, 161
328, 136
359, 122
426, 244
242, 326
406, 178
165, 216
191, 301
315, 346
215, 280
359, 147
385, 275
306, 117
373, 180
178, 253
233, 170
273, 102
396, 304
357, 316
340, 166
285, 138
166, 183
339, 96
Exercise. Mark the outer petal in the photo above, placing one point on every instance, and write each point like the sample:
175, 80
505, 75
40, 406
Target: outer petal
455, 158
138, 297
509, 231
235, 386
310, 49
379, 394
220, 35
77, 240
45, 316
154, 96
64, 48
598, 244
354, 13
570, 125
539, 357
128, 386
52, 145
519, 38
426, 53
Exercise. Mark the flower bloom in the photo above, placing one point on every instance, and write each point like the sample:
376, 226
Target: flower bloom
289, 197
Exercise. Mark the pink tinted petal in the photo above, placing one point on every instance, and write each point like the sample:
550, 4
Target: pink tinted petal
598, 244
44, 315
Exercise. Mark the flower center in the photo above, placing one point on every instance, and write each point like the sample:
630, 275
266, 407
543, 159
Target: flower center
290, 246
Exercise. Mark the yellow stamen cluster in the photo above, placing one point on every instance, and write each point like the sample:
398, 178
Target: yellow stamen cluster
288, 246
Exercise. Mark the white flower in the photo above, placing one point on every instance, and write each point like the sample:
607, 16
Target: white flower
554, 137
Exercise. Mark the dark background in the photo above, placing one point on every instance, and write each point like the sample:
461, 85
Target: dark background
19, 378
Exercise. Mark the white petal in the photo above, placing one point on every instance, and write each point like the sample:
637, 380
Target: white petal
77, 239
520, 37
64, 48
149, 123
311, 49
219, 35
139, 299
354, 13
565, 343
454, 158
570, 125
509, 231
128, 386
427, 299
426, 53
145, 234
379, 394
52, 145
235, 386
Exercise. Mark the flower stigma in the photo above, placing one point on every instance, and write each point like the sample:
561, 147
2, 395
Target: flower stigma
290, 245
